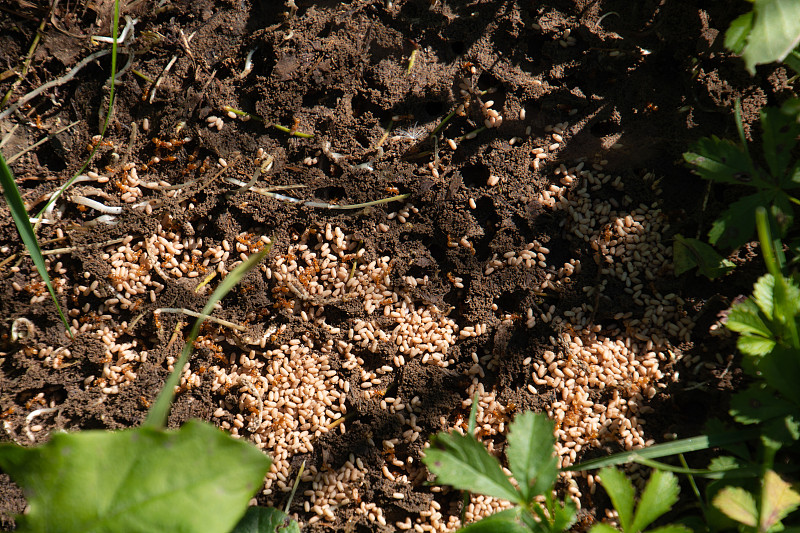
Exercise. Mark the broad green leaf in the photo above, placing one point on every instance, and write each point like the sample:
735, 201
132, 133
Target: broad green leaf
620, 490
563, 515
508, 521
25, 230
690, 253
660, 494
266, 520
463, 462
722, 161
779, 137
737, 504
787, 300
531, 454
157, 417
763, 294
196, 479
736, 225
778, 499
757, 404
775, 32
744, 318
780, 370
753, 345
736, 36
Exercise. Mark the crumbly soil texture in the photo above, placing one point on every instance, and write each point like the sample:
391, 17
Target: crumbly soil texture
530, 157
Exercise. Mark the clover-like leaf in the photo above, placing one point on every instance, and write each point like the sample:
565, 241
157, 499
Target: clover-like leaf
722, 161
195, 479
738, 504
508, 521
737, 225
689, 253
660, 494
531, 454
778, 499
463, 462
757, 404
620, 490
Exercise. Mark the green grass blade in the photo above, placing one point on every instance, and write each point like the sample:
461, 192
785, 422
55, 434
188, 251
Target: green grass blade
20, 215
114, 36
157, 417
691, 444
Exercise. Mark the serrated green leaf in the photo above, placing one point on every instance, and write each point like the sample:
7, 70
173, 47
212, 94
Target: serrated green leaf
196, 479
620, 490
736, 35
722, 161
758, 403
508, 521
778, 499
736, 225
780, 370
738, 504
775, 32
763, 294
658, 497
744, 318
531, 454
563, 515
463, 462
753, 345
688, 253
266, 520
779, 138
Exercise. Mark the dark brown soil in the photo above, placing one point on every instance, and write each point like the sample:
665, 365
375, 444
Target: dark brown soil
652, 76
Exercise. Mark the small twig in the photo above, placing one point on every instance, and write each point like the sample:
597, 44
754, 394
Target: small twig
195, 314
55, 83
40, 142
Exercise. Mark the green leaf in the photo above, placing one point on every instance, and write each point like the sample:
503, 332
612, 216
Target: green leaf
793, 60
778, 499
196, 479
563, 515
531, 454
736, 225
764, 294
736, 36
690, 253
737, 504
660, 494
508, 521
775, 32
722, 161
779, 137
744, 318
757, 404
266, 520
753, 345
463, 462
20, 216
620, 490
157, 417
